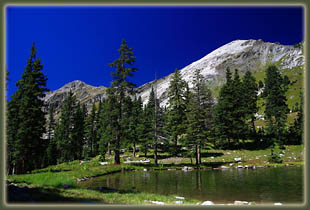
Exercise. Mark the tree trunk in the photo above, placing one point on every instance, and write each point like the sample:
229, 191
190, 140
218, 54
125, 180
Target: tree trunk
196, 151
116, 151
109, 150
155, 154
134, 149
198, 154
191, 158
175, 139
155, 144
116, 157
253, 126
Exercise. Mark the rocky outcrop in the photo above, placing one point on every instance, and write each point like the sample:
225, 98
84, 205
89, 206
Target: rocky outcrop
244, 55
83, 92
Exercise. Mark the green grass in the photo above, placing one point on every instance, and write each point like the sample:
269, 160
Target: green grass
292, 155
125, 198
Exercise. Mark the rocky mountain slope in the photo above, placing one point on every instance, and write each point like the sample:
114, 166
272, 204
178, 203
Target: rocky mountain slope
245, 55
83, 92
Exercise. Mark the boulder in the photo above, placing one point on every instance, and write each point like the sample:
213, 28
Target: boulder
241, 203
237, 159
158, 202
207, 203
186, 168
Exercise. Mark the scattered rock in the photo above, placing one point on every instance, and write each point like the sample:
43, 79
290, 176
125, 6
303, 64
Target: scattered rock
207, 203
186, 168
82, 179
181, 198
241, 203
224, 167
179, 202
158, 202
277, 204
237, 159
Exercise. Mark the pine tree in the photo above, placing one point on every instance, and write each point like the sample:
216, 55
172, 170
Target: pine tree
108, 124
126, 122
176, 109
134, 123
153, 124
78, 130
30, 117
63, 130
51, 148
122, 86
146, 136
91, 133
98, 128
276, 108
249, 93
239, 101
224, 109
13, 149
296, 130
199, 115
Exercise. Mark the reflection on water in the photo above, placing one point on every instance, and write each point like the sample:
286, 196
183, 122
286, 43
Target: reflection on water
263, 185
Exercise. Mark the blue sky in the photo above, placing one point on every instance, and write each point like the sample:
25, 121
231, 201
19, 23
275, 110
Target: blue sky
78, 43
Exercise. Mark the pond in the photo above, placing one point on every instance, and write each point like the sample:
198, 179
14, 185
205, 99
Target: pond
261, 185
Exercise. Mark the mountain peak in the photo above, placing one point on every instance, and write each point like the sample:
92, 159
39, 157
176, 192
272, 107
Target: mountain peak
244, 55
74, 84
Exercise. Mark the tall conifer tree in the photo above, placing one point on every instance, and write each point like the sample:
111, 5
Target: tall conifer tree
276, 110
122, 86
63, 130
199, 115
176, 109
224, 109
29, 117
91, 133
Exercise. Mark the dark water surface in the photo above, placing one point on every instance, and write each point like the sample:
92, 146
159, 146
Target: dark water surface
262, 185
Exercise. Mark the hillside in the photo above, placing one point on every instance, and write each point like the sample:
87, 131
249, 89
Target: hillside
244, 55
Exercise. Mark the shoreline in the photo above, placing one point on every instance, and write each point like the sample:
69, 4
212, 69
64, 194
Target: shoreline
59, 183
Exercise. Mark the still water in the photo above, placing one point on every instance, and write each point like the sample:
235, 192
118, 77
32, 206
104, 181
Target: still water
262, 185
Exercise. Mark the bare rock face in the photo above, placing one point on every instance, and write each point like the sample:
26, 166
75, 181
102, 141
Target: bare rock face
83, 92
244, 55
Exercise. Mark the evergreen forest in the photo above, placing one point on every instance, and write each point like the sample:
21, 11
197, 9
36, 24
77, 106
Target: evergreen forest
194, 119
